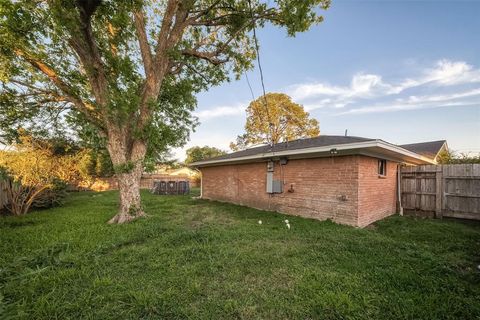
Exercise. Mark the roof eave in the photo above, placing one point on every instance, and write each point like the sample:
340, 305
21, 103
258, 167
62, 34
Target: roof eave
396, 153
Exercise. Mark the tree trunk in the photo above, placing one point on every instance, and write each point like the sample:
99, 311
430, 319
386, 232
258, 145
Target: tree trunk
128, 164
130, 206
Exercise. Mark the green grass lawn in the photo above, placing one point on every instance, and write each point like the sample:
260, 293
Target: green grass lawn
200, 259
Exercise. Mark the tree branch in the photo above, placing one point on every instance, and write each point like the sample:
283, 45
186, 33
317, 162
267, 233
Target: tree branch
85, 108
217, 21
165, 30
45, 69
88, 51
139, 21
198, 73
173, 26
206, 10
210, 56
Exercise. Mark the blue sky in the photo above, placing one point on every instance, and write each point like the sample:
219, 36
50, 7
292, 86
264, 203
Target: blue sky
402, 71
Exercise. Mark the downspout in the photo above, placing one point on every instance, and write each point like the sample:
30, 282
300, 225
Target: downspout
399, 188
201, 184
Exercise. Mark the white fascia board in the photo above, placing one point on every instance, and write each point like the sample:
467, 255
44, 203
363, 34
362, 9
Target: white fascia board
444, 147
306, 151
405, 152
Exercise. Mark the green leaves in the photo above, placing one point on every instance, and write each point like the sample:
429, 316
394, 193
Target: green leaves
276, 120
126, 167
299, 15
197, 153
78, 67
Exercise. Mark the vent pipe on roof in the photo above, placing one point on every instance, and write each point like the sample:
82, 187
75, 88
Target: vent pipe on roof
346, 132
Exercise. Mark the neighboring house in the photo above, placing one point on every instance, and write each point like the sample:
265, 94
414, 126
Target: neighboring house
169, 171
160, 169
185, 171
430, 149
350, 180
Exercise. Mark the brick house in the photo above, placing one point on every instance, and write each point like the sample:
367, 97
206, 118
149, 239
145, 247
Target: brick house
350, 180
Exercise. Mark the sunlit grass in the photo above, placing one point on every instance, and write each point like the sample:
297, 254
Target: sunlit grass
200, 259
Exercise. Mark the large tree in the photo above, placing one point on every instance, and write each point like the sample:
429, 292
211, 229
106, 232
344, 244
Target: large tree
127, 71
201, 153
274, 118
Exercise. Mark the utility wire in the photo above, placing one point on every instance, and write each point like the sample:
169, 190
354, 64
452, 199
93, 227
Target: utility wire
249, 85
270, 124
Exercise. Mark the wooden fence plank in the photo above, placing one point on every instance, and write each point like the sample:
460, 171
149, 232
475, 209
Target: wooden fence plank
438, 192
442, 190
3, 194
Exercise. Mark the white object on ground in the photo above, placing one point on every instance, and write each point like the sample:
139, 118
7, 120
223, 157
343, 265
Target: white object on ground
286, 221
288, 226
259, 221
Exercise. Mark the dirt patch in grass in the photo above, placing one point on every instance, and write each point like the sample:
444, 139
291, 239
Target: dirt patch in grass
204, 216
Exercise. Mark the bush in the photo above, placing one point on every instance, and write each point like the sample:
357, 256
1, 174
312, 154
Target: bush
36, 176
21, 198
452, 157
54, 196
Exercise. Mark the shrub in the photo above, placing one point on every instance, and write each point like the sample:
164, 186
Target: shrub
452, 157
53, 196
36, 176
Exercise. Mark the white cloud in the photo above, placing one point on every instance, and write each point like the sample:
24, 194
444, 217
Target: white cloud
308, 90
444, 73
406, 107
331, 103
421, 102
449, 72
444, 97
321, 95
221, 111
365, 84
364, 87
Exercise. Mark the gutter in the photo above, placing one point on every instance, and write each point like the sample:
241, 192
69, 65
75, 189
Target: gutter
347, 146
399, 189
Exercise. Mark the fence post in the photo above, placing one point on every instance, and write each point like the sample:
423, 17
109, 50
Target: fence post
438, 192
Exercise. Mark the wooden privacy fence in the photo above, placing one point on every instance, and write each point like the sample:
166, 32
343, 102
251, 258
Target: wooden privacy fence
3, 194
451, 190
146, 182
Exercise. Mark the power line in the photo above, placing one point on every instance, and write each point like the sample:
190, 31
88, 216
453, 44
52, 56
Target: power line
249, 85
270, 125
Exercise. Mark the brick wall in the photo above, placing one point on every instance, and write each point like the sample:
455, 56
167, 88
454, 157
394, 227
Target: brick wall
377, 195
345, 189
324, 188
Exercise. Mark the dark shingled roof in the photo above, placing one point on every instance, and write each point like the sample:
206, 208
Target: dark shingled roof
427, 149
320, 141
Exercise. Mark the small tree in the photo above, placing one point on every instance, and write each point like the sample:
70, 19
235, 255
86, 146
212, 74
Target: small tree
32, 169
201, 153
275, 118
452, 157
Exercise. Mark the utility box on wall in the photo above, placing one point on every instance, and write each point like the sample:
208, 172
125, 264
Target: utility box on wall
270, 166
273, 186
269, 182
277, 186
